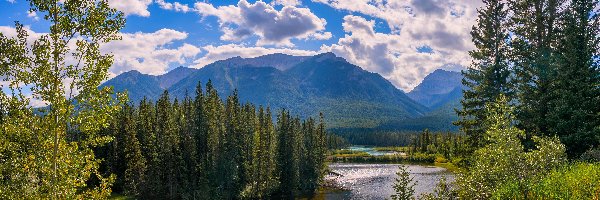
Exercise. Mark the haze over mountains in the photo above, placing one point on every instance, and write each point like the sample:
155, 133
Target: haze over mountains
348, 96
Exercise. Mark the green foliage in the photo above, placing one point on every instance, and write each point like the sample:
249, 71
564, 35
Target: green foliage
548, 68
404, 185
336, 142
574, 181
573, 110
591, 155
209, 149
47, 153
556, 70
443, 191
504, 159
488, 76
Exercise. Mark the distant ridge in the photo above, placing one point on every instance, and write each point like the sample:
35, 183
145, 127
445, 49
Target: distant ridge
349, 96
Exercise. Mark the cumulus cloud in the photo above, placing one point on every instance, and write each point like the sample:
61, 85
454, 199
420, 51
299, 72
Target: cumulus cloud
429, 7
441, 25
149, 52
176, 6
273, 27
286, 2
33, 15
215, 53
391, 55
132, 7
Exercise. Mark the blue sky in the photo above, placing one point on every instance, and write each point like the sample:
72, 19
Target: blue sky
402, 40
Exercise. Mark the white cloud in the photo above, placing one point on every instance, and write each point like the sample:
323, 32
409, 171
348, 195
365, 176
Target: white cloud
216, 53
176, 6
132, 7
286, 2
33, 15
391, 55
149, 53
442, 25
273, 27
11, 1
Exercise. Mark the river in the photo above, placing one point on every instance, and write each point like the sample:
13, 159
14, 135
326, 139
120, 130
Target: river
375, 181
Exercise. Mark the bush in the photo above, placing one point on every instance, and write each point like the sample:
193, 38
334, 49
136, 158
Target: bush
503, 164
592, 155
576, 181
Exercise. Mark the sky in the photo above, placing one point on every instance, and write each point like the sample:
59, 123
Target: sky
403, 40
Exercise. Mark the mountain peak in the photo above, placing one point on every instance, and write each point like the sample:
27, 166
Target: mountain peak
174, 76
131, 72
437, 87
279, 61
328, 56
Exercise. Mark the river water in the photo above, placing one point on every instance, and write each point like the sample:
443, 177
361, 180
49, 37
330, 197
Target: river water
375, 181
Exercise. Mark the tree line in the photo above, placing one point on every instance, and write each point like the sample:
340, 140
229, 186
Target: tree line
543, 56
449, 145
533, 102
206, 148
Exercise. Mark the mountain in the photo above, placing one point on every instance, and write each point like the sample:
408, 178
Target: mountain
136, 84
139, 85
167, 80
346, 94
441, 91
438, 88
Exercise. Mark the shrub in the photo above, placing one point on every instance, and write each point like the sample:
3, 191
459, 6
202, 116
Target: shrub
592, 155
576, 181
503, 164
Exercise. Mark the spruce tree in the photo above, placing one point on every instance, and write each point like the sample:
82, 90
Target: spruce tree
135, 163
488, 76
287, 164
190, 169
146, 129
535, 28
575, 93
165, 131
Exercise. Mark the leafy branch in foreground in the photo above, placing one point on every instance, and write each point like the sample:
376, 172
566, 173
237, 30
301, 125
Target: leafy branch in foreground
47, 153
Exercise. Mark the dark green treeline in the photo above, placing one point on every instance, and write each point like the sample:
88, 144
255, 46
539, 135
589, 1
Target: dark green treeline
207, 148
544, 57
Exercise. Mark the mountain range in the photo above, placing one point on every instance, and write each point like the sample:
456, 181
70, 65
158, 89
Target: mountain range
347, 95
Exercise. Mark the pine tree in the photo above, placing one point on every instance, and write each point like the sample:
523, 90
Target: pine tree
167, 142
287, 163
190, 169
534, 54
135, 163
249, 122
215, 130
488, 76
404, 185
575, 103
146, 129
201, 136
231, 155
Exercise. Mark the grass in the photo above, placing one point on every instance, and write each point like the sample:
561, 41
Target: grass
438, 160
396, 149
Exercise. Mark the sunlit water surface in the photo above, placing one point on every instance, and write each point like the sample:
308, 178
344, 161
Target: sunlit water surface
375, 181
